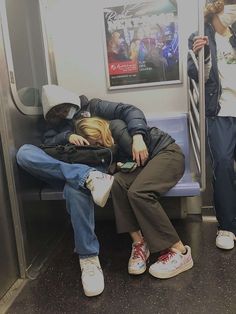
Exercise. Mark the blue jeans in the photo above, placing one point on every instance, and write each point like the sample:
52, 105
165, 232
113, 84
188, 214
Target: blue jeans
79, 202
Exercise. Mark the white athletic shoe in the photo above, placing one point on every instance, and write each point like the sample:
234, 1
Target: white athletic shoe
92, 276
139, 256
99, 184
225, 239
171, 264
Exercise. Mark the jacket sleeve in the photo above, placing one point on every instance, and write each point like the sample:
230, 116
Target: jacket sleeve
131, 115
54, 136
121, 137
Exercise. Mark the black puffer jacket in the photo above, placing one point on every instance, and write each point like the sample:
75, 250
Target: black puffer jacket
213, 88
155, 139
133, 117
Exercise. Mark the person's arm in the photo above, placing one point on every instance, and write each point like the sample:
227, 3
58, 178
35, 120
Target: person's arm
62, 135
134, 119
52, 137
196, 43
121, 137
133, 147
139, 150
131, 115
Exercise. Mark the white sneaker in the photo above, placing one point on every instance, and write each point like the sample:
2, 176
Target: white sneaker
171, 264
225, 239
99, 184
92, 276
139, 256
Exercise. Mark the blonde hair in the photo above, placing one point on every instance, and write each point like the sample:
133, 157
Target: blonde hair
95, 129
213, 8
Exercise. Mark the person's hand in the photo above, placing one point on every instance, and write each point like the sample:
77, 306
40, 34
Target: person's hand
78, 140
199, 43
139, 150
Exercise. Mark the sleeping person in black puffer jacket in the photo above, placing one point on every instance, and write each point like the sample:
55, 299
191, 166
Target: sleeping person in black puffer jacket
82, 185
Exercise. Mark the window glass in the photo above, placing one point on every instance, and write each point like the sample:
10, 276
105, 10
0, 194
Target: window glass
27, 49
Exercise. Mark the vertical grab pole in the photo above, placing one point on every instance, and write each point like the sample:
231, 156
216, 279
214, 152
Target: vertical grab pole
201, 77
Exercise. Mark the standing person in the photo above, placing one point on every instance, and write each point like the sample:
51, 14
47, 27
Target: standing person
136, 195
219, 43
82, 184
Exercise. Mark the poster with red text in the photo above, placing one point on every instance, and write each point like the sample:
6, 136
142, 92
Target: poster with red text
142, 44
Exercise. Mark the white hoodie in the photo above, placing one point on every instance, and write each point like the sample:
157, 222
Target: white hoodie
53, 95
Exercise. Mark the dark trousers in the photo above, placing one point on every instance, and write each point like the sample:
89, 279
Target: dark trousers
221, 133
136, 198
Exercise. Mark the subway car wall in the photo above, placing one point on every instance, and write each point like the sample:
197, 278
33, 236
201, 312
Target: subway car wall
80, 56
59, 42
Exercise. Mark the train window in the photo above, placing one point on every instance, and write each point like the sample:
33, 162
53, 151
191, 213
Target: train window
25, 51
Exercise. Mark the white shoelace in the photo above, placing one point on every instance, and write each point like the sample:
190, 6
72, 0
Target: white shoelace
224, 233
89, 266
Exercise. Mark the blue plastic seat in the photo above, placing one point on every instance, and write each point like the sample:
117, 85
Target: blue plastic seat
177, 127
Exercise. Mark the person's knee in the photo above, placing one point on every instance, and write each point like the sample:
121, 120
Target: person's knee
138, 192
23, 154
134, 193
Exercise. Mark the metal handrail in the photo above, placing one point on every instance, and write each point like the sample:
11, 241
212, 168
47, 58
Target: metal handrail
197, 125
195, 109
195, 87
195, 152
195, 133
194, 58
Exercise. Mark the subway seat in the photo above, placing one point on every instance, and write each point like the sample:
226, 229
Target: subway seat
177, 127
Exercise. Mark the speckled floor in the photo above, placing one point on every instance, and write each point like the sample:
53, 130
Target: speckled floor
209, 287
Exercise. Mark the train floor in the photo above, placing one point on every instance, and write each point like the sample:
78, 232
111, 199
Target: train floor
209, 287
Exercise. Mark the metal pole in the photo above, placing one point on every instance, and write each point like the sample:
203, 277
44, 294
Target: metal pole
201, 75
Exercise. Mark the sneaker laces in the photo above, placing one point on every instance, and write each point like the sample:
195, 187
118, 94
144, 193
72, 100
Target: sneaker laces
89, 266
98, 175
224, 233
90, 183
138, 251
166, 256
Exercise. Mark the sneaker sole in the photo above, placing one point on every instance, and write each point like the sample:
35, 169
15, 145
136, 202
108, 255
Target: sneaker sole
105, 198
222, 247
172, 273
94, 293
141, 271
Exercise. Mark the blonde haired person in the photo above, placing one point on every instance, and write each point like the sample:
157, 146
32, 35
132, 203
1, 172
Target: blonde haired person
135, 195
95, 130
219, 45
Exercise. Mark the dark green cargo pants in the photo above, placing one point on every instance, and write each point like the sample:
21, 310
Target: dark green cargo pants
136, 196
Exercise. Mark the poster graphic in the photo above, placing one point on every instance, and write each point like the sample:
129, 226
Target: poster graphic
142, 44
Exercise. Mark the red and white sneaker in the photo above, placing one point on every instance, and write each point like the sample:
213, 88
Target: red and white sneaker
171, 263
139, 256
